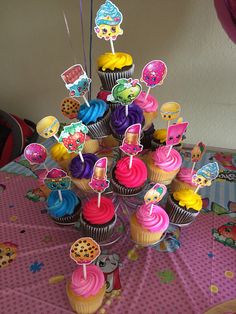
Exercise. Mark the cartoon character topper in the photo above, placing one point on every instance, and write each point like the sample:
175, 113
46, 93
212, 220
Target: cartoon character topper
125, 91
107, 21
170, 111
48, 126
99, 182
84, 251
76, 80
35, 153
198, 151
206, 174
175, 133
154, 73
155, 194
131, 142
70, 107
57, 180
73, 136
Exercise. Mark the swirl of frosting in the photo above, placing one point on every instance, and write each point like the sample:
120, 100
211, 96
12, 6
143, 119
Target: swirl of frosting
188, 199
134, 177
98, 215
170, 163
91, 114
58, 152
93, 283
157, 221
160, 135
57, 208
120, 122
84, 169
185, 175
148, 105
112, 61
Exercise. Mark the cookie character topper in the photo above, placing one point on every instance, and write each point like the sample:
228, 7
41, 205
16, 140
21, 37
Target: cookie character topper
107, 22
170, 111
155, 195
73, 137
196, 153
125, 92
35, 153
48, 127
99, 182
77, 81
206, 175
70, 107
84, 251
174, 134
131, 142
153, 74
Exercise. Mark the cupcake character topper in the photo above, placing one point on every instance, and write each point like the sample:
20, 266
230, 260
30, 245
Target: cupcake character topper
77, 81
99, 182
125, 92
170, 111
197, 153
70, 107
174, 134
206, 175
48, 127
153, 74
35, 153
107, 22
84, 251
155, 195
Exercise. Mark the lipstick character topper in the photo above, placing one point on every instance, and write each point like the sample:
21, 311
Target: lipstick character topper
99, 182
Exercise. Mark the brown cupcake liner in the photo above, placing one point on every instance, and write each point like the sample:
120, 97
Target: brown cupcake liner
101, 128
179, 215
69, 219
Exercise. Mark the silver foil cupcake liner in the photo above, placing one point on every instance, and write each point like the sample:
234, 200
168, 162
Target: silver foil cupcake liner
100, 128
179, 215
98, 233
108, 79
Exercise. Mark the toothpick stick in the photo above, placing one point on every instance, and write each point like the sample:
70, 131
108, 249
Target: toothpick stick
193, 167
169, 150
198, 187
84, 271
99, 199
86, 101
112, 46
60, 195
168, 123
56, 138
127, 110
81, 156
147, 93
46, 168
130, 161
151, 209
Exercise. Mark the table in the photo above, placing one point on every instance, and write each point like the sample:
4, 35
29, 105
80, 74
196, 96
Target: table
190, 272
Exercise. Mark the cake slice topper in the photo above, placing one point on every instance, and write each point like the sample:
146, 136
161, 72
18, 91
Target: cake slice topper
77, 81
155, 195
35, 153
48, 127
206, 175
70, 107
174, 134
196, 153
99, 182
107, 22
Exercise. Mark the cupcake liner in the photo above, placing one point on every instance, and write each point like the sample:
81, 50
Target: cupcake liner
178, 214
100, 128
69, 219
177, 185
98, 232
108, 79
82, 184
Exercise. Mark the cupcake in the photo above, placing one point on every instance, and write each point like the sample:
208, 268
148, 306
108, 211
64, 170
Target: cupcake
183, 180
86, 295
149, 107
61, 156
120, 122
98, 222
81, 172
129, 181
110, 141
159, 138
163, 169
112, 67
103, 94
146, 228
96, 118
66, 211
91, 145
146, 140
183, 206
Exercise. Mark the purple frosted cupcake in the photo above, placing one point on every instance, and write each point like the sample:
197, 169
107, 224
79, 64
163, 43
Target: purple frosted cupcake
119, 122
81, 172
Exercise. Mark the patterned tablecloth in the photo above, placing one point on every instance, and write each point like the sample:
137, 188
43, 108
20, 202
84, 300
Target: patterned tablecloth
192, 271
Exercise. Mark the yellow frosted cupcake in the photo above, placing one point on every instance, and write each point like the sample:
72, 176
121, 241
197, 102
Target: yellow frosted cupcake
159, 138
183, 181
60, 154
91, 145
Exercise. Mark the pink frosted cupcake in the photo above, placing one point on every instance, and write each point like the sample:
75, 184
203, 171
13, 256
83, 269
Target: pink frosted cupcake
163, 169
149, 107
146, 228
183, 181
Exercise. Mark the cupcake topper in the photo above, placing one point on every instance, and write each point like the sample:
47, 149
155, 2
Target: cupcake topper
174, 134
125, 92
73, 137
196, 153
155, 195
205, 175
36, 154
153, 74
84, 251
77, 81
57, 180
99, 182
48, 127
70, 108
107, 21
131, 142
170, 111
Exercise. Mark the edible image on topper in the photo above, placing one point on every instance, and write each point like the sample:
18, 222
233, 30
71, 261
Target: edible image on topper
155, 194
125, 91
107, 21
154, 73
170, 111
198, 151
84, 251
57, 179
76, 80
35, 153
48, 126
99, 182
131, 142
175, 133
206, 174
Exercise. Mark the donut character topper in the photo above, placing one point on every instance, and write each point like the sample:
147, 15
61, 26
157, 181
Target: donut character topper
131, 142
70, 107
84, 251
175, 133
154, 73
107, 21
35, 153
206, 175
155, 194
99, 182
48, 127
57, 180
170, 111
198, 151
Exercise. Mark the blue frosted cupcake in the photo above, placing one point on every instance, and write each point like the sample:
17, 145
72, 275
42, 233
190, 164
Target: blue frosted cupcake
67, 211
96, 117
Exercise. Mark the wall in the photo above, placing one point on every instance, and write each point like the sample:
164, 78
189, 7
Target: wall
184, 33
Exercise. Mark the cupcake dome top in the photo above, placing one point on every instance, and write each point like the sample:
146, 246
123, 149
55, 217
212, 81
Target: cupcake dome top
185, 175
57, 208
170, 163
160, 135
58, 152
187, 198
98, 215
149, 104
91, 114
83, 170
110, 61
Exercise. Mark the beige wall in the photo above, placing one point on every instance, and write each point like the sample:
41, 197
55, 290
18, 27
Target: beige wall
185, 33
